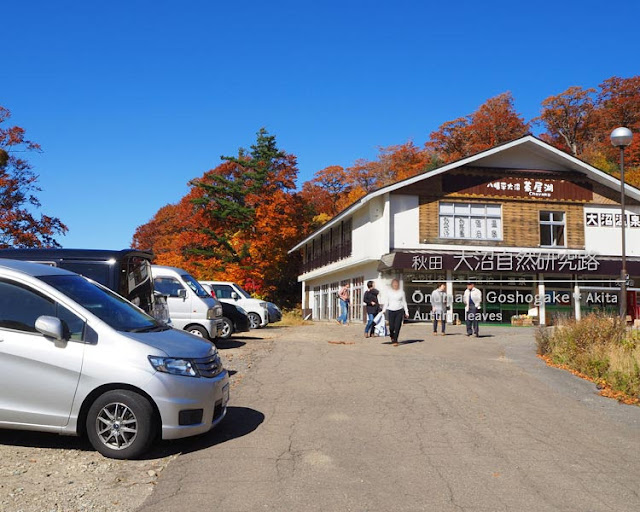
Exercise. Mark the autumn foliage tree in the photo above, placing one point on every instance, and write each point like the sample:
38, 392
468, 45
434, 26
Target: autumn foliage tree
334, 188
580, 121
495, 122
569, 119
236, 223
20, 226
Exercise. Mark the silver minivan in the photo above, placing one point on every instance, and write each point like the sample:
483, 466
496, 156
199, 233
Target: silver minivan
78, 359
191, 307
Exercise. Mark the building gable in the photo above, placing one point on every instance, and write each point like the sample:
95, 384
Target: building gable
527, 154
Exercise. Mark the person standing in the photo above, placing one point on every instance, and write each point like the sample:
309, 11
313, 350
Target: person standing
395, 302
472, 299
439, 307
344, 296
372, 304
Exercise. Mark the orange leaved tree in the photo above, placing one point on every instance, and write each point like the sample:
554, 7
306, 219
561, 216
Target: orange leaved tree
237, 223
495, 122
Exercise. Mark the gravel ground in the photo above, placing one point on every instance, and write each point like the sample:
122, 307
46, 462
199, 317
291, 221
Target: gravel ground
51, 473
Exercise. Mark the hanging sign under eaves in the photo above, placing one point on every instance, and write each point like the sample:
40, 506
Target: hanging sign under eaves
526, 186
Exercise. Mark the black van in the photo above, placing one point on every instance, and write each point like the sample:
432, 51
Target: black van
126, 272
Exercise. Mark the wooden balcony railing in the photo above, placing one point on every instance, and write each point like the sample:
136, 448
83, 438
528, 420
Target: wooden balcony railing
337, 253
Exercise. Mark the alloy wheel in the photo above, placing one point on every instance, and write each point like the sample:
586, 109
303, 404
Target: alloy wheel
254, 320
116, 426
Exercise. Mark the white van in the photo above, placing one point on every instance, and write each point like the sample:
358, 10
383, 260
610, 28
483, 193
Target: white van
233, 293
191, 307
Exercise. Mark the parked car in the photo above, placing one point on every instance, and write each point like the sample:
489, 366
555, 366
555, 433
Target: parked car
78, 359
126, 272
234, 318
232, 293
275, 314
191, 307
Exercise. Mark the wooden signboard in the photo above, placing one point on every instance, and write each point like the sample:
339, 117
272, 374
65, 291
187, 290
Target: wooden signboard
524, 186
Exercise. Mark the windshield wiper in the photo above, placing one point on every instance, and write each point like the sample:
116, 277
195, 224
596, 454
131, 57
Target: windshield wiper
151, 328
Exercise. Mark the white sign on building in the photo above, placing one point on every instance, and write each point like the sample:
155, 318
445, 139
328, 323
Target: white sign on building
602, 229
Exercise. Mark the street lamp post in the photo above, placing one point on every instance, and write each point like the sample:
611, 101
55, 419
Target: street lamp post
621, 137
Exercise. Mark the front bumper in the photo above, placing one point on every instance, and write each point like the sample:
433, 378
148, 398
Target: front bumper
174, 393
275, 317
219, 326
213, 327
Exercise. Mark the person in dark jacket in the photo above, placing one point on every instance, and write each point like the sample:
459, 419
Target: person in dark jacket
373, 307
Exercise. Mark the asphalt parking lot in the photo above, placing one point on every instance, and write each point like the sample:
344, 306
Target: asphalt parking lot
326, 420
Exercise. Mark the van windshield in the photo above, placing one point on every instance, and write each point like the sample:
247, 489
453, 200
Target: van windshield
195, 286
103, 303
246, 294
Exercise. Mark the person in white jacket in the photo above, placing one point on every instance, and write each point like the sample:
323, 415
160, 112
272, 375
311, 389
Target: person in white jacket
472, 299
395, 302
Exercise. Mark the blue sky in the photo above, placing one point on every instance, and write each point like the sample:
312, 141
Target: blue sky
130, 100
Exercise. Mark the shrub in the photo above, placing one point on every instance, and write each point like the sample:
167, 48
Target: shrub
597, 346
292, 318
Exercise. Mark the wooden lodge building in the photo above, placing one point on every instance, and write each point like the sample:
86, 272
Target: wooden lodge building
537, 229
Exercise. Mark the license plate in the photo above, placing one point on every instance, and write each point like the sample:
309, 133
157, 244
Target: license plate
225, 395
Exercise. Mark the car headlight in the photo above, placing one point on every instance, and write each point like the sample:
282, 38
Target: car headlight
214, 313
173, 365
263, 305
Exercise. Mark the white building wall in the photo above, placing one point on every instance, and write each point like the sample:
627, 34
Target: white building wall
405, 221
601, 236
367, 271
370, 237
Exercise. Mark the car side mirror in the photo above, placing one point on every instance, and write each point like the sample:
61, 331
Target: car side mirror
182, 293
234, 296
51, 327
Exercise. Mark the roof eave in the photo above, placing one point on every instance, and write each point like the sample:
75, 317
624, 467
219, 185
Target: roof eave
606, 178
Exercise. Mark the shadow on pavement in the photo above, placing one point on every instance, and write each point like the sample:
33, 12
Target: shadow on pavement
403, 342
239, 422
227, 344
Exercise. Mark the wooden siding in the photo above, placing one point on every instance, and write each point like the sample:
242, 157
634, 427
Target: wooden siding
520, 223
520, 217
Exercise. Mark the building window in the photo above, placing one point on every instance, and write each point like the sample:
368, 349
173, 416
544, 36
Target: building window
552, 232
333, 245
471, 221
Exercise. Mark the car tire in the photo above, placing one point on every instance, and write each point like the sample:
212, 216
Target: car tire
111, 419
255, 321
227, 329
197, 330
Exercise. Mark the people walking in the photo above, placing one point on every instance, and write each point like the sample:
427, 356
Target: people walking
472, 299
372, 305
395, 303
344, 296
439, 308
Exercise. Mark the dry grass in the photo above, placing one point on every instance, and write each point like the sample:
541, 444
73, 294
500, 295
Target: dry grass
599, 348
292, 318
